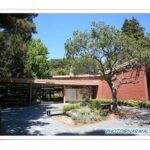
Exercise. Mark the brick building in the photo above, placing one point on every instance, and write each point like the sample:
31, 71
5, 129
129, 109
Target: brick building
70, 87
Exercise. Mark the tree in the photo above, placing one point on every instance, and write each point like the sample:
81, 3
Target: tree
115, 52
133, 29
65, 66
85, 65
13, 56
21, 24
37, 63
15, 34
59, 66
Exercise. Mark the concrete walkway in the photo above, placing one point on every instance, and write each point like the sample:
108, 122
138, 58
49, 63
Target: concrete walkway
33, 120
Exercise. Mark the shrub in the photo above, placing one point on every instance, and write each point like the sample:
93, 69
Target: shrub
69, 107
84, 110
89, 117
85, 103
95, 104
144, 105
75, 101
86, 114
131, 103
148, 105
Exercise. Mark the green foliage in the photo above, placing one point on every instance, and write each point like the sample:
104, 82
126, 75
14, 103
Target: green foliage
131, 103
84, 110
95, 104
85, 65
75, 101
133, 29
15, 34
69, 107
85, 103
59, 66
144, 104
114, 51
147, 105
37, 63
18, 24
85, 114
105, 44
13, 55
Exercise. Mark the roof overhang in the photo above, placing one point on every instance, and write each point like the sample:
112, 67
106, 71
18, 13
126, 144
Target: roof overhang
76, 82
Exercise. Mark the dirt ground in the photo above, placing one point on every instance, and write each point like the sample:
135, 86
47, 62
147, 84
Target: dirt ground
67, 120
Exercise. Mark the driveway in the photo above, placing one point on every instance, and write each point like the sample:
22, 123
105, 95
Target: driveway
33, 120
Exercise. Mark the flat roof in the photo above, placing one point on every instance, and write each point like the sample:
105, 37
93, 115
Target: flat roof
51, 81
76, 76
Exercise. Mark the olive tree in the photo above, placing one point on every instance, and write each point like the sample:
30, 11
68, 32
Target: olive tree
115, 52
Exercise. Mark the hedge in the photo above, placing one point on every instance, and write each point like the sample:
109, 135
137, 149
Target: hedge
75, 101
95, 103
69, 107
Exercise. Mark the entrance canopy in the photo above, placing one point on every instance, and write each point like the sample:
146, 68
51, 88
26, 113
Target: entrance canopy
84, 82
33, 90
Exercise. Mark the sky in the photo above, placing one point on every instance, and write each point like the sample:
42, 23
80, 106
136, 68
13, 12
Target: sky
55, 29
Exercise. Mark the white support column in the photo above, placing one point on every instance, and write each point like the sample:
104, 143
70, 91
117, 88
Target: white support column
30, 96
64, 95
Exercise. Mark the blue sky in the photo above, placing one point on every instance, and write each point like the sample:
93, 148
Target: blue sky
55, 29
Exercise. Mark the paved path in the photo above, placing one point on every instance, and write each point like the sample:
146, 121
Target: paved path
34, 121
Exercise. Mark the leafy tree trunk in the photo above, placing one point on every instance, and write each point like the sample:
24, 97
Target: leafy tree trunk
114, 96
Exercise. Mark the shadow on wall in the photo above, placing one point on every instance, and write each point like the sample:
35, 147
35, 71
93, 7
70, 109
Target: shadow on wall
18, 121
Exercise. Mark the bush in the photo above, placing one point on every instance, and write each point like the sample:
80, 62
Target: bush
85, 103
89, 117
144, 105
131, 103
69, 107
75, 101
95, 104
84, 110
148, 105
86, 114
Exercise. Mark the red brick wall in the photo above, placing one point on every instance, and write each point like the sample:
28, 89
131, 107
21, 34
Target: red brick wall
136, 91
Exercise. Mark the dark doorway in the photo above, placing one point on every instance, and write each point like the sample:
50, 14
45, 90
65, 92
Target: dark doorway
52, 93
148, 84
94, 92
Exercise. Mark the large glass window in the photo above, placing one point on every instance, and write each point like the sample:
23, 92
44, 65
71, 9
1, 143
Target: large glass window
14, 94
